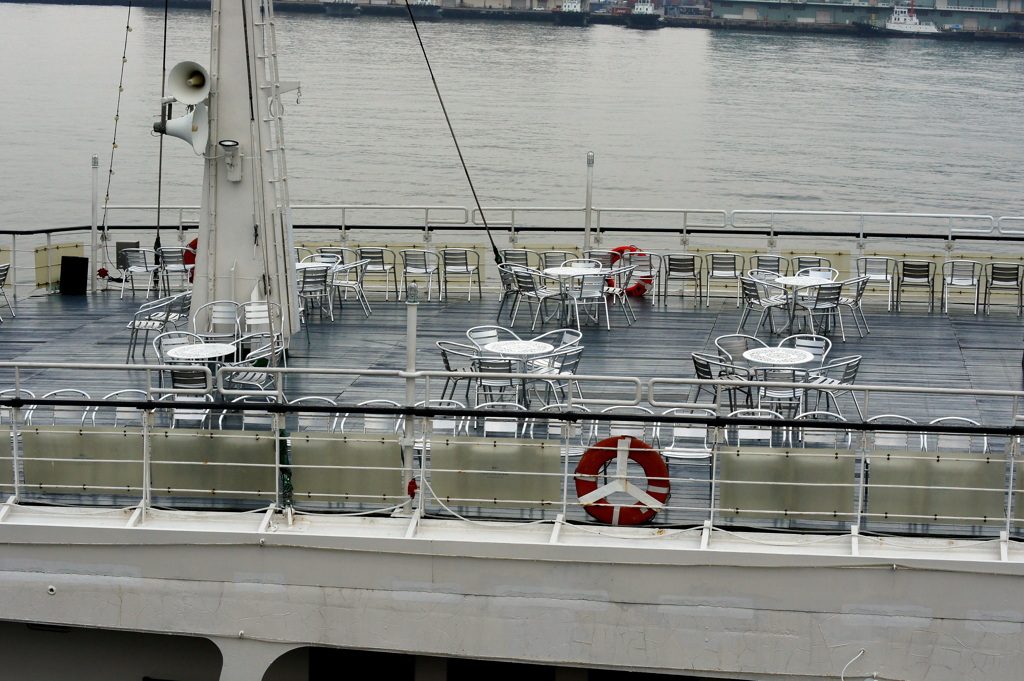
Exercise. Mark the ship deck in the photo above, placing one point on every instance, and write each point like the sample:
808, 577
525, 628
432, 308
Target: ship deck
933, 350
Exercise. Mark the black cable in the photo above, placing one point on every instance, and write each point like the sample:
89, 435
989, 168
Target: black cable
444, 109
160, 156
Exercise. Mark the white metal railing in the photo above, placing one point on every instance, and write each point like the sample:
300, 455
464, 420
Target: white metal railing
590, 225
828, 476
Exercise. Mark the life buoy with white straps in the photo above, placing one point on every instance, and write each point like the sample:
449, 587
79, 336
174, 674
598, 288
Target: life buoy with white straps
638, 287
621, 450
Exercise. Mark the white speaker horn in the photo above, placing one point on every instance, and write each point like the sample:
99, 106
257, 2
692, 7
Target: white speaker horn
188, 82
193, 128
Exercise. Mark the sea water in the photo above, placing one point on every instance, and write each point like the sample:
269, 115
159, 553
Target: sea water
677, 118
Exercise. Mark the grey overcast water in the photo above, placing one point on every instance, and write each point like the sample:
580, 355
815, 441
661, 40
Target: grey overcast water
678, 118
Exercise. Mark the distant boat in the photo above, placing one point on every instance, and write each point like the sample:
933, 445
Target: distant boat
903, 23
342, 8
426, 10
643, 16
572, 14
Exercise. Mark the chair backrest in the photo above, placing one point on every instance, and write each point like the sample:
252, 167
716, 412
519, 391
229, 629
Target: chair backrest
622, 276
640, 430
823, 296
313, 279
963, 443
329, 259
459, 258
555, 258
59, 414
856, 287
829, 273
683, 265
496, 425
999, 274
345, 255
702, 366
386, 424
172, 257
217, 316
743, 435
770, 263
896, 439
676, 438
732, 346
644, 261
380, 258
877, 268
560, 337
172, 339
581, 262
4, 271
259, 316
832, 438
115, 415
804, 261
961, 272
141, 258
418, 259
450, 349
819, 346
606, 258
724, 265
763, 275
523, 257
324, 422
916, 271
489, 333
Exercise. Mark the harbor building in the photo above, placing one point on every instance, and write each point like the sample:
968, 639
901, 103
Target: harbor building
970, 15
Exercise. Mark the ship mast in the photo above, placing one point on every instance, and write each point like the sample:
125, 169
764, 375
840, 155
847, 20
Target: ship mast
245, 249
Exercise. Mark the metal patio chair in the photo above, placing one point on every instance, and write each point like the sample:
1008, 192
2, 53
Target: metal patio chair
419, 263
915, 274
382, 264
350, 278
5, 270
771, 263
461, 263
828, 380
856, 287
523, 257
725, 267
140, 262
684, 267
879, 270
961, 274
999, 276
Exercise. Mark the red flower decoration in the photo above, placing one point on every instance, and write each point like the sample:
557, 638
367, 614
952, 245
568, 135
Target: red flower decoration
103, 273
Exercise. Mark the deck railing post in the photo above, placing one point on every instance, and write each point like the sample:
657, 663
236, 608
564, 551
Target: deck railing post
588, 208
94, 250
147, 459
412, 301
14, 267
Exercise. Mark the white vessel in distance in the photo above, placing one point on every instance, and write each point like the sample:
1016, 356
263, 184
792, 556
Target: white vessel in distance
904, 19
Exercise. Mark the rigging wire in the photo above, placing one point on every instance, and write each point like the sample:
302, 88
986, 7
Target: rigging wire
117, 118
160, 155
444, 109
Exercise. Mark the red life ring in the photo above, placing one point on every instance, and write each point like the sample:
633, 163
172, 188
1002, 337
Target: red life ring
621, 449
639, 287
190, 256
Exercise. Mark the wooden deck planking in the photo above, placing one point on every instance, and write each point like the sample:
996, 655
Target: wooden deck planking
912, 348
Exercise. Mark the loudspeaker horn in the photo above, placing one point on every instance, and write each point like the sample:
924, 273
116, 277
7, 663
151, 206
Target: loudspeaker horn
188, 82
193, 128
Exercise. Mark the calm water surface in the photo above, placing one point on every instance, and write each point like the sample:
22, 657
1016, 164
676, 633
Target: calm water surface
678, 118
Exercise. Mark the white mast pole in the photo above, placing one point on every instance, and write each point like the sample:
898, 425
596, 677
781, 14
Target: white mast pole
245, 245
